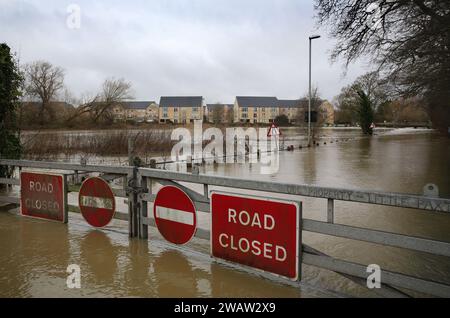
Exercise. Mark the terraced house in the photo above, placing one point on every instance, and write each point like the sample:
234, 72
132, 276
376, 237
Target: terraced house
255, 109
264, 110
293, 109
137, 111
180, 109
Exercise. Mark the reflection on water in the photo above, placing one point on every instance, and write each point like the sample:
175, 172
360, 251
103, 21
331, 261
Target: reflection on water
34, 254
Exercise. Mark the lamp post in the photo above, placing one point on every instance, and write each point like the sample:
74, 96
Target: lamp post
309, 102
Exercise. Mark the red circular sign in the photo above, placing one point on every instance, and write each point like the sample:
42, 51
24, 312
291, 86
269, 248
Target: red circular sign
96, 201
175, 215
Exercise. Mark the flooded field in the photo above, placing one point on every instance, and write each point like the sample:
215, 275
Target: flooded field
34, 254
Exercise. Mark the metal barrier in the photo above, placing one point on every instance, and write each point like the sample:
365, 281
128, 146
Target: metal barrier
138, 190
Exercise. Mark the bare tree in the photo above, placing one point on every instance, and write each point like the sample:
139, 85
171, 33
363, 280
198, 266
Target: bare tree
349, 100
218, 113
302, 113
407, 40
99, 106
229, 117
43, 82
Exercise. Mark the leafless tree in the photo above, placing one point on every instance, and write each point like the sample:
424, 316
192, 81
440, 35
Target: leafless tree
409, 41
229, 117
99, 106
218, 113
302, 112
43, 82
347, 102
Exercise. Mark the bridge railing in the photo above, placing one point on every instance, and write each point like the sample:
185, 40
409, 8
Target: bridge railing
138, 184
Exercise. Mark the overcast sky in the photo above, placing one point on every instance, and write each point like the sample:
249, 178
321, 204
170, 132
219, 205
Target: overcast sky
214, 48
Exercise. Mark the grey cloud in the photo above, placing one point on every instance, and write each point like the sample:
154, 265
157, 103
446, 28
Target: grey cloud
218, 49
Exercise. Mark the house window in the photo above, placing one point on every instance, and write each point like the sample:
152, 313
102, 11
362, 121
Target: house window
175, 109
255, 109
274, 109
255, 115
244, 115
244, 109
195, 109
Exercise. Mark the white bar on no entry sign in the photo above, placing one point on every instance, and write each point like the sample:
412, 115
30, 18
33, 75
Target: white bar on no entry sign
175, 215
96, 202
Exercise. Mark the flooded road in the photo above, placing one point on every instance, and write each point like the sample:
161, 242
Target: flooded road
34, 254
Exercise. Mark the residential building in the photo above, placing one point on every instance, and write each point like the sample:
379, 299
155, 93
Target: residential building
255, 109
264, 110
293, 108
220, 113
181, 109
138, 111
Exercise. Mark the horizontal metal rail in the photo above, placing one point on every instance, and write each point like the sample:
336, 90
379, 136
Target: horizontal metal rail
66, 166
352, 195
378, 237
369, 197
387, 277
9, 181
8, 199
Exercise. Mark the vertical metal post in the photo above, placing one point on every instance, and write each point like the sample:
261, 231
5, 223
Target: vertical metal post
143, 213
65, 199
309, 94
205, 190
330, 211
133, 228
309, 102
130, 206
300, 240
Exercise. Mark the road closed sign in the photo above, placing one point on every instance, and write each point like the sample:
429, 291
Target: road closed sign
43, 196
261, 233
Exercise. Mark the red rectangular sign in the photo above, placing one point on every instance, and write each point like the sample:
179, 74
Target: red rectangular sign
260, 233
43, 196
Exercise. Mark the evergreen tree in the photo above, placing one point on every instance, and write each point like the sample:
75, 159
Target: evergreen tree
10, 83
365, 112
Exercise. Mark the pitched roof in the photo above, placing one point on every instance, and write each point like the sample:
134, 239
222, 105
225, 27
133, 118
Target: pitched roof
181, 101
137, 104
293, 103
256, 101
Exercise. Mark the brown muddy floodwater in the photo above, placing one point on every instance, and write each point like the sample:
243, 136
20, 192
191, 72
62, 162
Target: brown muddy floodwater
34, 254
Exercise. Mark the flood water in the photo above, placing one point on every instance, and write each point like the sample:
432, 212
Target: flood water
34, 254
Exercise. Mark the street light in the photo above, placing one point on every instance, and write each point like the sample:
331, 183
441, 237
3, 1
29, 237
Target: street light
309, 102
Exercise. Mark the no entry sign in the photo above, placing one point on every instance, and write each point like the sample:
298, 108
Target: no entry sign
96, 202
175, 215
43, 196
260, 233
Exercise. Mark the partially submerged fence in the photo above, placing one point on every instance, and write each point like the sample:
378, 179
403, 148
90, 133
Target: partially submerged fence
138, 191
